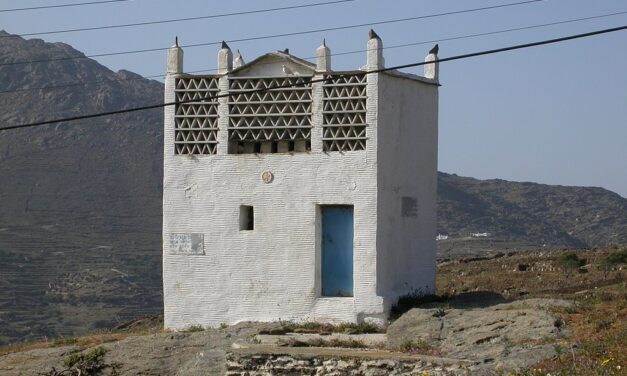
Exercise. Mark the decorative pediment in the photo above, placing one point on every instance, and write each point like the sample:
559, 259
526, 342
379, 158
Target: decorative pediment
276, 64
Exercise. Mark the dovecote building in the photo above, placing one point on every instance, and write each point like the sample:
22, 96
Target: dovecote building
296, 192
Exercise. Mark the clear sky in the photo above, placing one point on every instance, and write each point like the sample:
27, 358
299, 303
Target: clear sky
555, 114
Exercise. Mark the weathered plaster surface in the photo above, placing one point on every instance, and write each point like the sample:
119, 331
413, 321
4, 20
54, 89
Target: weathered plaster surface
273, 271
407, 162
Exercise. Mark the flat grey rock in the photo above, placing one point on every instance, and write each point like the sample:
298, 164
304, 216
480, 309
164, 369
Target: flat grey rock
506, 335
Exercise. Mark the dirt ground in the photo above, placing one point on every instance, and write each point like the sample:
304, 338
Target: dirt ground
499, 309
597, 320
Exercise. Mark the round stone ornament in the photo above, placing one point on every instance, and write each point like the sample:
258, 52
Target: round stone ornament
267, 177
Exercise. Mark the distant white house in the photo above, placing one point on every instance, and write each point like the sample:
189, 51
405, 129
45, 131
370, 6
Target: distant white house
301, 193
480, 234
441, 237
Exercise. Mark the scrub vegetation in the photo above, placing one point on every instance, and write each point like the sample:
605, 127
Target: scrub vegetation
322, 328
596, 320
593, 279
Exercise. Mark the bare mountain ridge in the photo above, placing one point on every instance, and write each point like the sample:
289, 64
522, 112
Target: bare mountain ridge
532, 213
80, 202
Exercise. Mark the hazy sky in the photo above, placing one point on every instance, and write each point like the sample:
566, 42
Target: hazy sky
555, 114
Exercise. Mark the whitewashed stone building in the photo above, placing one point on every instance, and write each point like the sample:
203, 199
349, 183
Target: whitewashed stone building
312, 201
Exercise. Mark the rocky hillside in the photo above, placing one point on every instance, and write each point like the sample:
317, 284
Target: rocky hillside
80, 202
530, 213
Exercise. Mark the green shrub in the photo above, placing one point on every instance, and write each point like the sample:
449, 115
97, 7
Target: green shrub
84, 364
361, 328
194, 328
94, 358
569, 262
618, 257
413, 300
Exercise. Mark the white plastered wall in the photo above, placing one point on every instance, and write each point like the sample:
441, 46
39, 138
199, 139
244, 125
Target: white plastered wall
407, 155
272, 272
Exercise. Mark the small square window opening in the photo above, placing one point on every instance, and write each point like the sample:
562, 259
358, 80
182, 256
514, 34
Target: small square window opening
246, 218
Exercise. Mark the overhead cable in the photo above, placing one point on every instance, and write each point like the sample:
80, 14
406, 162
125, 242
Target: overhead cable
156, 22
459, 37
63, 5
410, 65
369, 24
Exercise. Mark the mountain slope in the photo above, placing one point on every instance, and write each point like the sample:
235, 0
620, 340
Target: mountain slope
534, 213
80, 202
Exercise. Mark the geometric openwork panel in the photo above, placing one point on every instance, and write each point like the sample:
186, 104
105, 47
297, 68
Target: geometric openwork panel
196, 122
275, 120
344, 113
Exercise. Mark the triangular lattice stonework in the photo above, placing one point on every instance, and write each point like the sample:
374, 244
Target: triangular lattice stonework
196, 121
344, 113
279, 114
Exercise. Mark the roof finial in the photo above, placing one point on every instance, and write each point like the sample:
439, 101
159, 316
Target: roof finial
323, 57
175, 58
225, 59
373, 35
435, 49
239, 60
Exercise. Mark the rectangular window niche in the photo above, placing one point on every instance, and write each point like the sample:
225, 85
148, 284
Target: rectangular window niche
246, 218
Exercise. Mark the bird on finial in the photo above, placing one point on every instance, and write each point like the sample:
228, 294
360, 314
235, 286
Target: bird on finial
286, 51
224, 45
372, 35
435, 49
239, 60
287, 70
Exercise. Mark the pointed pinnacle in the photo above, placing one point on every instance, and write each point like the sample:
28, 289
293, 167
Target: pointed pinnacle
372, 35
224, 45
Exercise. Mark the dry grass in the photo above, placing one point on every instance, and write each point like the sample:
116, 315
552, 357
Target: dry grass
599, 326
82, 342
530, 274
598, 320
334, 342
419, 347
322, 328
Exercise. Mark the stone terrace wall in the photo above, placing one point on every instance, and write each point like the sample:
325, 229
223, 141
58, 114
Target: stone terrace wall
247, 363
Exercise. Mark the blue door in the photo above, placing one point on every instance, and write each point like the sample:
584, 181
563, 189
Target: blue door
337, 251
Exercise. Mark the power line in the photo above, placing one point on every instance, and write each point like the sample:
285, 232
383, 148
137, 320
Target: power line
502, 31
466, 36
370, 24
63, 5
178, 19
411, 65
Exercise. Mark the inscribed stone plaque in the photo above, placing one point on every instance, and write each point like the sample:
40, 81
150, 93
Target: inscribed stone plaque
409, 207
187, 244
